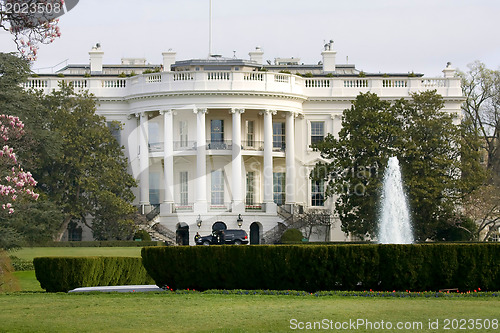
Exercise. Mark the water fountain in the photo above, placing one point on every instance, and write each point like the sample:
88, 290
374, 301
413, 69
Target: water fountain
394, 224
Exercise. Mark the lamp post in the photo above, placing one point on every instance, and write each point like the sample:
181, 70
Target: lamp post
239, 220
198, 221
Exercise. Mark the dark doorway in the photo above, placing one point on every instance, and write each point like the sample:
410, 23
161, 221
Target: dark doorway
255, 233
182, 234
219, 226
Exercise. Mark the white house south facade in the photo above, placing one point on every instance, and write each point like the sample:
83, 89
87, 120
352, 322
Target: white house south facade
225, 141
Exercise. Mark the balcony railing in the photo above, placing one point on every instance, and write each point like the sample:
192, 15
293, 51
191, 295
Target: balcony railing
219, 145
179, 208
255, 207
252, 145
279, 146
226, 207
249, 81
156, 147
215, 145
184, 145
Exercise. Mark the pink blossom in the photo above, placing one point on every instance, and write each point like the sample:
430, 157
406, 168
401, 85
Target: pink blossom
18, 182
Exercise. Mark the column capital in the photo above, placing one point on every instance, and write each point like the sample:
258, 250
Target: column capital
269, 111
234, 110
335, 116
166, 111
200, 110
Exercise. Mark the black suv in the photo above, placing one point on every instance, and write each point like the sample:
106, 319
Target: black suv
229, 236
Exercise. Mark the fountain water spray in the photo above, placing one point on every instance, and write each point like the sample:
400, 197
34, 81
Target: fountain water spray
394, 225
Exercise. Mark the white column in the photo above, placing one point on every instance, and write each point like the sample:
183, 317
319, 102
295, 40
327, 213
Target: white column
290, 158
200, 206
143, 159
268, 161
168, 162
236, 165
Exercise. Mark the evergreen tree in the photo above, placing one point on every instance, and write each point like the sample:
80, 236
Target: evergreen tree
89, 177
80, 168
430, 149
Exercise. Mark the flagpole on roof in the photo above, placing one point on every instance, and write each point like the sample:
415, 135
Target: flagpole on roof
210, 30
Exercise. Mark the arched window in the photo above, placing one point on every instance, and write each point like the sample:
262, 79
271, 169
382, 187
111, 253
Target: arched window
219, 226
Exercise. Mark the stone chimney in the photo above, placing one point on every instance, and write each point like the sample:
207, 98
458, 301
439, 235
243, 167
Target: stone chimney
449, 71
168, 60
329, 58
96, 56
257, 55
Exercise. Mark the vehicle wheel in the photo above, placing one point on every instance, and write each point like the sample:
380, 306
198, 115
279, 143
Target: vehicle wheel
206, 243
237, 242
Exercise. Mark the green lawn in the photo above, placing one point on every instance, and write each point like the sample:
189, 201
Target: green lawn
42, 312
28, 281
33, 310
31, 252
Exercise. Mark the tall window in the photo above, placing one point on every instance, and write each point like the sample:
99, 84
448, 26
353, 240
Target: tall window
183, 133
250, 133
154, 191
216, 134
184, 188
279, 136
154, 132
217, 130
154, 136
318, 193
250, 198
317, 131
279, 188
114, 128
217, 187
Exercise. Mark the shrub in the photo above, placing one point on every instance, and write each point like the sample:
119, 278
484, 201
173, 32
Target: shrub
21, 264
102, 244
7, 281
142, 235
313, 268
292, 235
154, 70
61, 274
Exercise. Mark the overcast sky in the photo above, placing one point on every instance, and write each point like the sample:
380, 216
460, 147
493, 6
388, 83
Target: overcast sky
376, 35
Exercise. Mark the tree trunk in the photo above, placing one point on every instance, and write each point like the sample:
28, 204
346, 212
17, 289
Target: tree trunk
62, 229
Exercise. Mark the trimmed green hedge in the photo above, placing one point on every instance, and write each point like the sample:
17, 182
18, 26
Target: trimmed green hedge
423, 267
102, 244
61, 274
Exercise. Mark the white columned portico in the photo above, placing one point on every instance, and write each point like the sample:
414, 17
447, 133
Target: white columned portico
200, 206
268, 161
168, 162
237, 172
290, 158
143, 159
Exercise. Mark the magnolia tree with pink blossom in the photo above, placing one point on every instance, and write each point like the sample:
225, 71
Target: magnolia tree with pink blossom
15, 183
31, 22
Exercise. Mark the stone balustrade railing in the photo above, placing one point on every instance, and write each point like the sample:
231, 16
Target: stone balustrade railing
269, 82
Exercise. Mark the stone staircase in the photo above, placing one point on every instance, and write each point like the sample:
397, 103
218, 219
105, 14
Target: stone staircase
273, 236
155, 229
